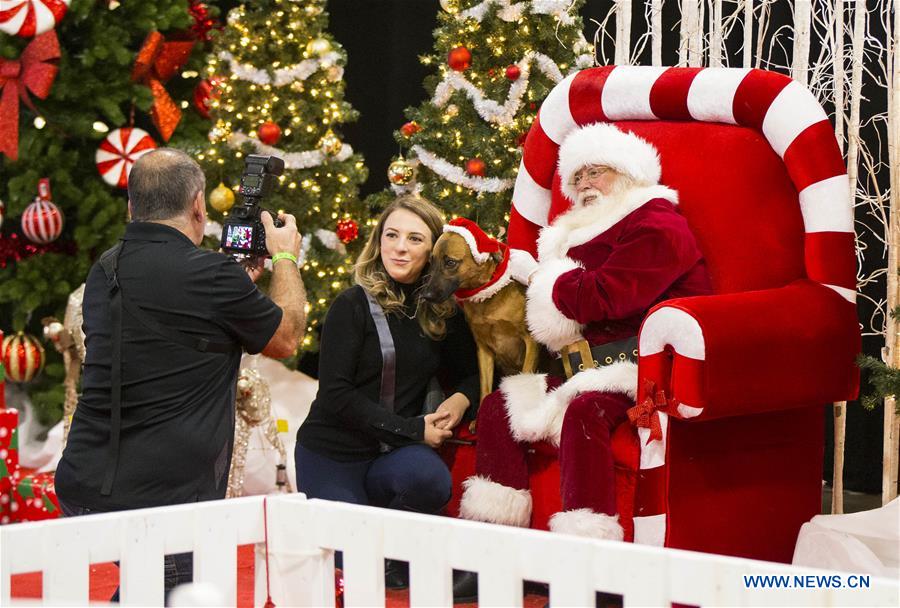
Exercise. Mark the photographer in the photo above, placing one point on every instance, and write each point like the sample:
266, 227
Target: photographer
165, 324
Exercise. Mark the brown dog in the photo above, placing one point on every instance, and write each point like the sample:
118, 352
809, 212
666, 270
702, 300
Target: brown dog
497, 322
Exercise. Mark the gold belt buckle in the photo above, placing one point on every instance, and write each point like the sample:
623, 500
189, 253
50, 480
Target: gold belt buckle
584, 350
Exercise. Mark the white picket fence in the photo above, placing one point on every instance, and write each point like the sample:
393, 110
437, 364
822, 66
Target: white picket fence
304, 533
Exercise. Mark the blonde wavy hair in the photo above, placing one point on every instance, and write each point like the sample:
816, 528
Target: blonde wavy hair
370, 273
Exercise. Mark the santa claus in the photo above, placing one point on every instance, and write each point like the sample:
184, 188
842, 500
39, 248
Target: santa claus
621, 248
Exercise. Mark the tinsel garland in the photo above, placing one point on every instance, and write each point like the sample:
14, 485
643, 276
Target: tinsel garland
292, 160
14, 249
489, 109
282, 76
457, 175
253, 408
510, 11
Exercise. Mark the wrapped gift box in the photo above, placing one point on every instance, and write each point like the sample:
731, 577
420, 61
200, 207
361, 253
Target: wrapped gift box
34, 498
9, 460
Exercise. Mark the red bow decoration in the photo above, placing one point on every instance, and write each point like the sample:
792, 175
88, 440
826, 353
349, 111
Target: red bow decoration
157, 61
646, 413
32, 71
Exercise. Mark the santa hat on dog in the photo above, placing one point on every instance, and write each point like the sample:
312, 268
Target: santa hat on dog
604, 144
480, 244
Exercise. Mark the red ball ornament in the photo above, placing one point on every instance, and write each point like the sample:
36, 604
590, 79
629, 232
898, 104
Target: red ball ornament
410, 128
269, 133
22, 356
347, 230
475, 166
459, 59
42, 221
205, 93
513, 72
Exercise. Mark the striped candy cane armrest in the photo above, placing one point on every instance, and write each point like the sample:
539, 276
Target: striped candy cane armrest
750, 352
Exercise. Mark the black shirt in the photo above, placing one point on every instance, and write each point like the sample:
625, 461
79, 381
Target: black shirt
177, 403
346, 421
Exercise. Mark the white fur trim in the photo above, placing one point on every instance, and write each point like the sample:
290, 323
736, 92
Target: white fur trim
586, 523
490, 291
489, 501
626, 93
711, 96
689, 411
826, 205
555, 116
792, 111
620, 377
650, 530
530, 418
580, 225
530, 199
604, 144
545, 321
847, 294
675, 327
479, 256
653, 453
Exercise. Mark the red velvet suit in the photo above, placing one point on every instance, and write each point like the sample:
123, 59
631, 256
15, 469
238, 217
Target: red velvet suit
601, 268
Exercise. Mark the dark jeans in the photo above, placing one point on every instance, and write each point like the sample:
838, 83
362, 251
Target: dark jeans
411, 478
177, 568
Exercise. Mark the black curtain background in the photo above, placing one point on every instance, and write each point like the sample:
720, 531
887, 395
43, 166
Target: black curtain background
384, 39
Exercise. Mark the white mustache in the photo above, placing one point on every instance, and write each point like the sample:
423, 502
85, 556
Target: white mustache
587, 193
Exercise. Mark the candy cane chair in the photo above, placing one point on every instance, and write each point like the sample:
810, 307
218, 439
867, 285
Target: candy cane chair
726, 451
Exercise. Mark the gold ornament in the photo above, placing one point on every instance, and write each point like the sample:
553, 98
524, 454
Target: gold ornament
334, 73
318, 46
451, 6
221, 198
330, 144
400, 172
452, 110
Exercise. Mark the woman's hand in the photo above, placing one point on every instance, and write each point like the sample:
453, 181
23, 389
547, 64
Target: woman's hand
455, 405
435, 434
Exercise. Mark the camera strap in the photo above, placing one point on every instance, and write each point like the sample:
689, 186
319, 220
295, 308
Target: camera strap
118, 301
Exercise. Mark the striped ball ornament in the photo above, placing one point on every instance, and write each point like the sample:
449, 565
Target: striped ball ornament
118, 152
27, 18
42, 222
22, 356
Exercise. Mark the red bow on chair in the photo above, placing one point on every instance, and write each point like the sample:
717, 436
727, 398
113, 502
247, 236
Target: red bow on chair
30, 72
646, 413
157, 61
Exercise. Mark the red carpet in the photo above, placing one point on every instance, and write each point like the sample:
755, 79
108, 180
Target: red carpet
104, 579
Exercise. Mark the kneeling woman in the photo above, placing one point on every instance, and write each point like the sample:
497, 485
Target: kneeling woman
366, 440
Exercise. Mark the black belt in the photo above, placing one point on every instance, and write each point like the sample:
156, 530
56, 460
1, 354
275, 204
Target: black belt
606, 354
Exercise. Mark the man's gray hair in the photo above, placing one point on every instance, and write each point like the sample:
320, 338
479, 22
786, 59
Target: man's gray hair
162, 185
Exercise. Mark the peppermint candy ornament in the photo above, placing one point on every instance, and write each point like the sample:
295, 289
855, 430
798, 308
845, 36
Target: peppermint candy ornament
42, 221
118, 153
27, 18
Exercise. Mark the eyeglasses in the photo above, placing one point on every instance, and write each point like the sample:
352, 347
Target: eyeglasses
590, 174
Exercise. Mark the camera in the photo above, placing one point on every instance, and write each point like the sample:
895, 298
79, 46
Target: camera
243, 234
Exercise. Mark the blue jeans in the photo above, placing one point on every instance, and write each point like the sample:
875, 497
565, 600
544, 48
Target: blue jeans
411, 478
177, 568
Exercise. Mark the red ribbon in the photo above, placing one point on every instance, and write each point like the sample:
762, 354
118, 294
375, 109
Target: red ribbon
33, 72
646, 413
157, 61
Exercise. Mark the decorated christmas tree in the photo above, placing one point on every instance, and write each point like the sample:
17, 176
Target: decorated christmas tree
495, 61
279, 85
85, 88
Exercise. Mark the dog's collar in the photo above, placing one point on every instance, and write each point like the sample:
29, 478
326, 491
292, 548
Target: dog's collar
498, 281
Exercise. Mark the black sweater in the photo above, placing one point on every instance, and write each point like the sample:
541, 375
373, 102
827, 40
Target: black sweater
346, 421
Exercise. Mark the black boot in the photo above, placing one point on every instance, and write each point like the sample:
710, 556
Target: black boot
465, 587
396, 574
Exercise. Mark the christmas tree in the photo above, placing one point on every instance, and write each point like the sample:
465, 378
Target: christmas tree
281, 93
87, 71
496, 61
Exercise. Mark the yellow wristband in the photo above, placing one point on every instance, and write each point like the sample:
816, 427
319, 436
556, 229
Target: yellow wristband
284, 256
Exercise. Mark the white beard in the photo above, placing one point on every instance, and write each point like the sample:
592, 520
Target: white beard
589, 197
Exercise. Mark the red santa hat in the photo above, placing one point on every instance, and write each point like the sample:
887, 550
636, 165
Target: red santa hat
480, 244
604, 144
